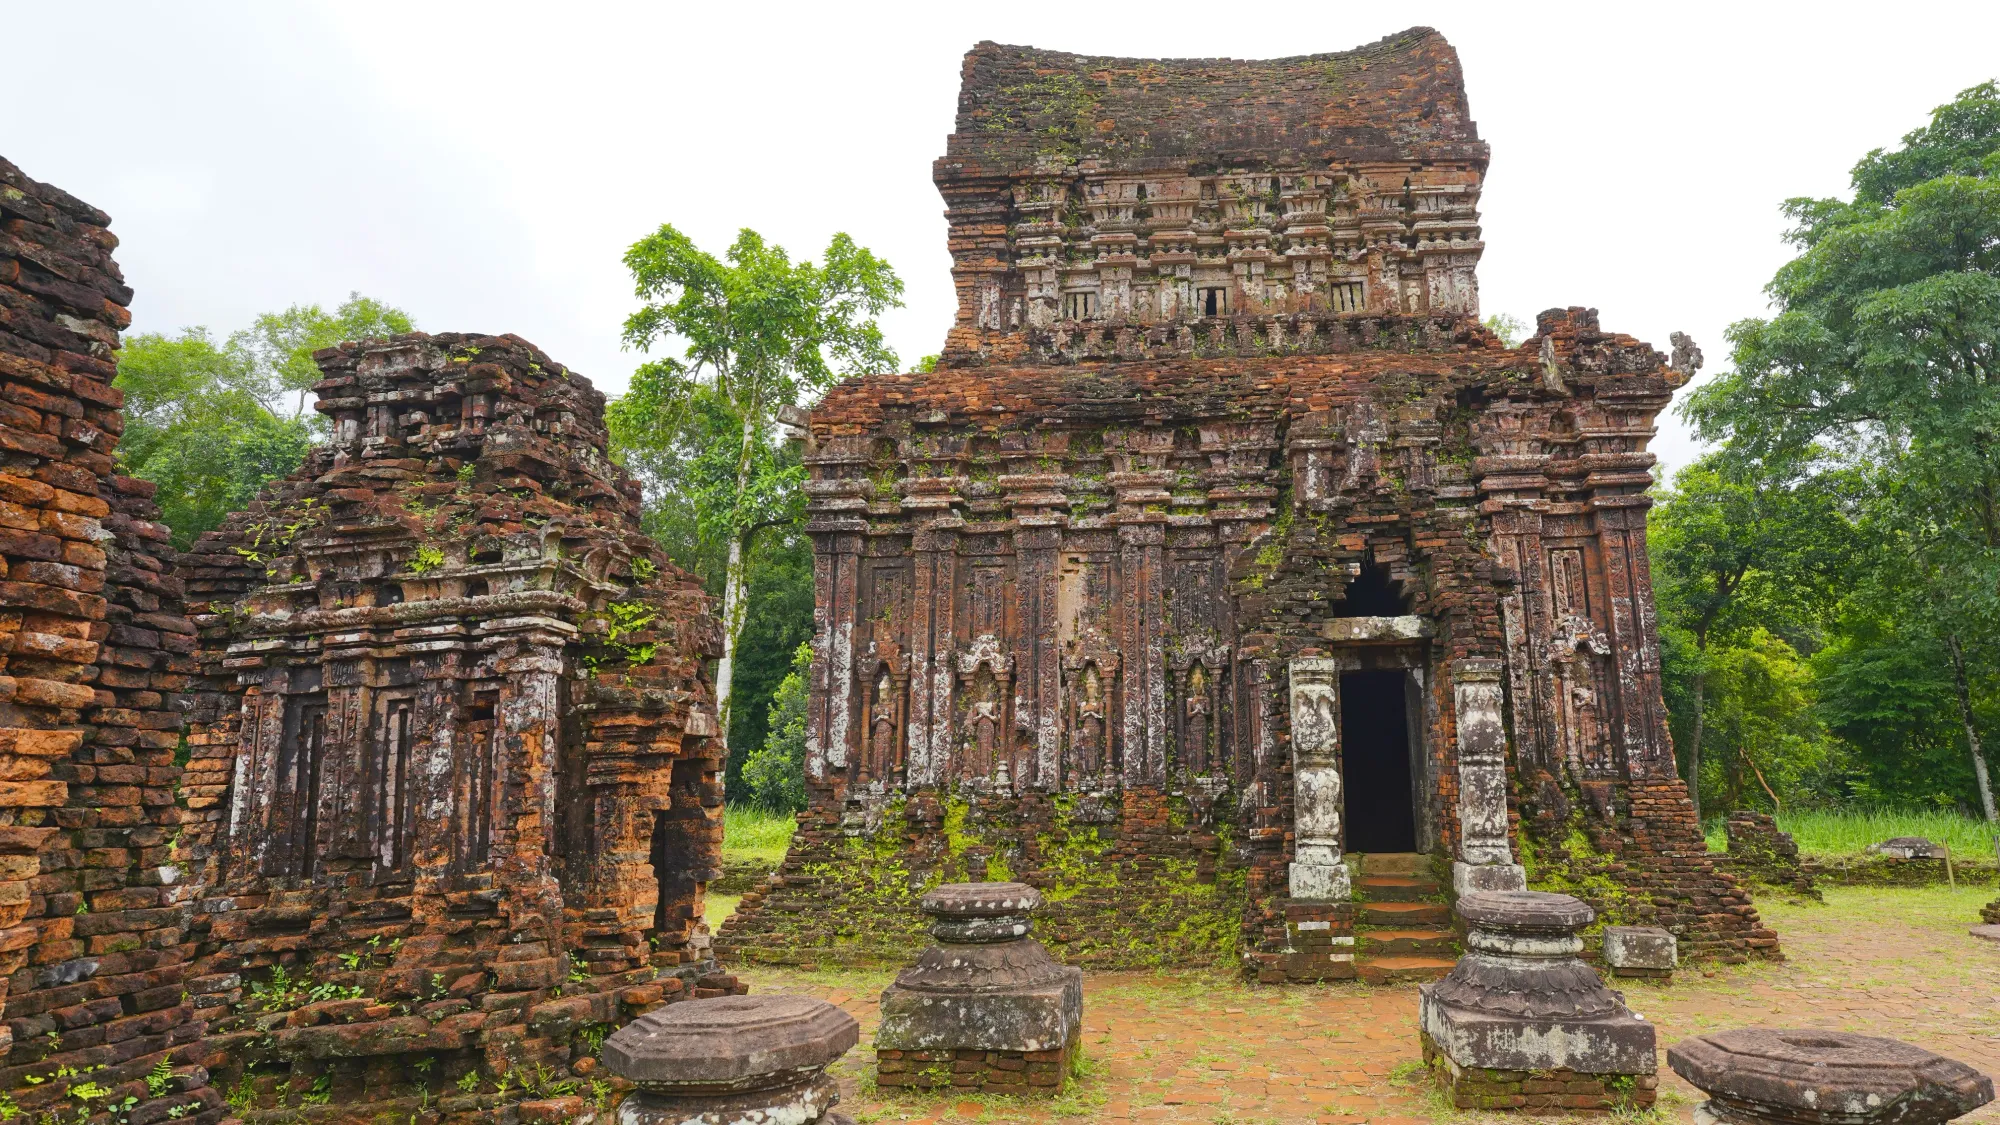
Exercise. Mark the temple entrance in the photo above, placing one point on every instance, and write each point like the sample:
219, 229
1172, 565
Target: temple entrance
1375, 761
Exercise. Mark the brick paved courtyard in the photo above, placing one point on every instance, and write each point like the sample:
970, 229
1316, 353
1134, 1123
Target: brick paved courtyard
1205, 1047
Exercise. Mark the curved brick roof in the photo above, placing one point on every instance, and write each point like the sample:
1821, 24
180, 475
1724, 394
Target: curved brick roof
1402, 97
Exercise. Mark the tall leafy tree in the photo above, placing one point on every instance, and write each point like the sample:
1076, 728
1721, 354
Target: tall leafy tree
1886, 349
211, 423
1740, 545
757, 333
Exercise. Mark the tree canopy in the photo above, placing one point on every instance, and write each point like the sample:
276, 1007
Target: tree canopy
1852, 511
211, 422
757, 333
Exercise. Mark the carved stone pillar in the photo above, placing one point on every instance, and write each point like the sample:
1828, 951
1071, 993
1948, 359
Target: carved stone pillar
1485, 859
1317, 875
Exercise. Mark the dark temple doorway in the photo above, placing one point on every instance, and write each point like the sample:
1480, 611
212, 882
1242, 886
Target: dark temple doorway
1375, 762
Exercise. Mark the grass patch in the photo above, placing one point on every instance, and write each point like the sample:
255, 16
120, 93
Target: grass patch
1836, 832
749, 832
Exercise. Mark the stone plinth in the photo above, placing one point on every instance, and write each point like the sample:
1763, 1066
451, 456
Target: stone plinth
1522, 1023
1754, 1076
733, 1060
1639, 951
1908, 847
986, 1007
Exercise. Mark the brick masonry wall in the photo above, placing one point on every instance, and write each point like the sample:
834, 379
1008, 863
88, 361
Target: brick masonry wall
1503, 490
1145, 880
96, 649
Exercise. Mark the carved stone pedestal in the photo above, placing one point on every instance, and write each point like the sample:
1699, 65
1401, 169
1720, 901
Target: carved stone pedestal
985, 1008
1521, 1023
1756, 1076
733, 1060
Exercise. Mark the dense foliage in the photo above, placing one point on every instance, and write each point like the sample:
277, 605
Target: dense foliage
211, 422
1829, 576
758, 335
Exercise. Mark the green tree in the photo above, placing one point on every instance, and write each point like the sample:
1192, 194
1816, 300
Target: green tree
1739, 545
212, 423
760, 334
1511, 329
774, 777
1886, 351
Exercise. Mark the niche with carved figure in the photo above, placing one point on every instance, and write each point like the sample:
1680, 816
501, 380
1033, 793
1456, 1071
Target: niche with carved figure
1580, 665
1199, 679
985, 688
1090, 672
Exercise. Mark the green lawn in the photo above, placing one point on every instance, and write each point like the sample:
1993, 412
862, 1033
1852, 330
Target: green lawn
1834, 832
752, 833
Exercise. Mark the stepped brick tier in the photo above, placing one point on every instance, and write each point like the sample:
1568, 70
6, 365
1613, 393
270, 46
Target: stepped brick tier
738, 1060
95, 655
1225, 542
1760, 853
1522, 1023
452, 754
1759, 1076
986, 1008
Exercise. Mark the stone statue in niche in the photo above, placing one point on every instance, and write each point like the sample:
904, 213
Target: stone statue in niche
883, 673
877, 764
985, 678
1199, 669
984, 717
1197, 721
1579, 657
1090, 668
1090, 721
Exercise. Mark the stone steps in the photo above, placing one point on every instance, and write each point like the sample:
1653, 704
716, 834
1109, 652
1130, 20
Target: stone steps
1390, 970
1403, 926
1428, 941
1405, 914
1397, 888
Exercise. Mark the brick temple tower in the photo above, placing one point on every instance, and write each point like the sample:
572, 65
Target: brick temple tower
1227, 570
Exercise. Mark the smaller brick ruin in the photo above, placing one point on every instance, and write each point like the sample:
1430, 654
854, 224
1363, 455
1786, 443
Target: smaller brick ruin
451, 758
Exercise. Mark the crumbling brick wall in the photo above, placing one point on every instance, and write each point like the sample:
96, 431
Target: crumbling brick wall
94, 658
454, 788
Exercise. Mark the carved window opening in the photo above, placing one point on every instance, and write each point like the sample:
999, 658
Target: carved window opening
387, 807
1372, 594
294, 824
475, 587
390, 593
1568, 589
1080, 305
1349, 297
475, 781
1213, 301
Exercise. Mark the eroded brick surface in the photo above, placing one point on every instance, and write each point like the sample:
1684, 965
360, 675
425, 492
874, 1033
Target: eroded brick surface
94, 658
451, 754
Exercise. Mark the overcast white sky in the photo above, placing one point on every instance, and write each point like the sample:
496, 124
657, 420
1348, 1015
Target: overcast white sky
485, 166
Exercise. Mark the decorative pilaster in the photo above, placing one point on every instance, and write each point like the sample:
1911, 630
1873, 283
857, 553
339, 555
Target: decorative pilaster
1317, 875
1485, 859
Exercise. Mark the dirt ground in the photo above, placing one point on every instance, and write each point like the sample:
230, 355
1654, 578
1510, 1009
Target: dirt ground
1207, 1047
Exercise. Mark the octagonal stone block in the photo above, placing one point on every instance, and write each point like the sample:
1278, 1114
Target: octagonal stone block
1760, 1076
732, 1060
